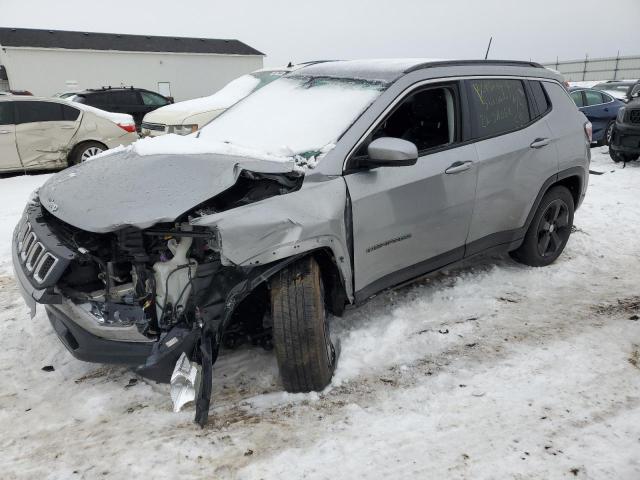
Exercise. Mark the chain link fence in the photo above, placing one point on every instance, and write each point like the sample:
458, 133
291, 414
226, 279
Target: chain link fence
611, 68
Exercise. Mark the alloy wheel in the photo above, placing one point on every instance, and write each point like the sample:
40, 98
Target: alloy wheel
90, 152
553, 228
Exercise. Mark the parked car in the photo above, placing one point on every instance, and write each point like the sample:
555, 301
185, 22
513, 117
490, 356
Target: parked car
625, 142
601, 110
16, 92
136, 102
186, 117
44, 133
321, 189
621, 89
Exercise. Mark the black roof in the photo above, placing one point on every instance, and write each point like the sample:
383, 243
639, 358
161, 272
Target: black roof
28, 37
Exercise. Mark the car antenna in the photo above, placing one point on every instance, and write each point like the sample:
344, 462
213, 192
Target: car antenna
290, 64
486, 55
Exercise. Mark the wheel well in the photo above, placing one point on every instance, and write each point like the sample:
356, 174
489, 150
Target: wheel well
84, 142
334, 288
574, 185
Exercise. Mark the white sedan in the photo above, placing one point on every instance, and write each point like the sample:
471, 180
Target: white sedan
47, 134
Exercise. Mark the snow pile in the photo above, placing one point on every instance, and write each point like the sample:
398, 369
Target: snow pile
118, 118
231, 93
14, 194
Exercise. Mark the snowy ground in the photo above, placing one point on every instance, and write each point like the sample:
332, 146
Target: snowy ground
493, 370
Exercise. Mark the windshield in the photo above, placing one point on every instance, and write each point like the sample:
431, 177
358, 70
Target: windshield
294, 115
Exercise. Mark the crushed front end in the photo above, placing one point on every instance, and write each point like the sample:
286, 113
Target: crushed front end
138, 297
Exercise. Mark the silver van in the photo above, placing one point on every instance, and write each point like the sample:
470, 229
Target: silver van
368, 174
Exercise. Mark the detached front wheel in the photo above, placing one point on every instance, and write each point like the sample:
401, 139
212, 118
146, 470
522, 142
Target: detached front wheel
301, 339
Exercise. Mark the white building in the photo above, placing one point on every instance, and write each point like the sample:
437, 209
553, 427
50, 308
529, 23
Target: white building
46, 62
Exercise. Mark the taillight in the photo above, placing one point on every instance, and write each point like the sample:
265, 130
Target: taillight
127, 127
588, 131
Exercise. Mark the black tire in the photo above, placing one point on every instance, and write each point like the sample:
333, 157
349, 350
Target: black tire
608, 133
306, 356
549, 230
621, 157
84, 151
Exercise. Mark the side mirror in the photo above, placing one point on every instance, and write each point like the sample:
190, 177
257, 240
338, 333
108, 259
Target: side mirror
390, 152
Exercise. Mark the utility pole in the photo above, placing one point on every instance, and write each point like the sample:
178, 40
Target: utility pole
486, 55
615, 72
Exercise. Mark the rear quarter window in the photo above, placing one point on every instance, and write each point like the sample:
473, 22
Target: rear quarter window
69, 113
497, 106
540, 97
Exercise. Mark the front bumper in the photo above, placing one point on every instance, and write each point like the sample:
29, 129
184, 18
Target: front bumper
625, 139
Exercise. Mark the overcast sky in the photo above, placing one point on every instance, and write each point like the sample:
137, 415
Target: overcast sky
302, 30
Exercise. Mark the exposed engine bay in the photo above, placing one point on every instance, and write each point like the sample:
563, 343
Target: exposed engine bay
166, 285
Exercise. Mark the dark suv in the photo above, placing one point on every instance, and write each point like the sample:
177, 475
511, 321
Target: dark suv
137, 102
625, 139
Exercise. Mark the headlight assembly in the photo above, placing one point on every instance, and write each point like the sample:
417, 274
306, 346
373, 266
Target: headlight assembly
183, 129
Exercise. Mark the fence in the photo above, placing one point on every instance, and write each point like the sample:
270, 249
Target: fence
611, 68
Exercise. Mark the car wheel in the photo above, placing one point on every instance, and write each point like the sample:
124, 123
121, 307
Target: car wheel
85, 151
549, 230
608, 133
622, 157
301, 338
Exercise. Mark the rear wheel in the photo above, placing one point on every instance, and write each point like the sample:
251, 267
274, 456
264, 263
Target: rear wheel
301, 337
608, 133
549, 230
83, 152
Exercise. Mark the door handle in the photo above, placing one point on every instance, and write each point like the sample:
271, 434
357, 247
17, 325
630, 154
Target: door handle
457, 167
4, 132
68, 127
540, 142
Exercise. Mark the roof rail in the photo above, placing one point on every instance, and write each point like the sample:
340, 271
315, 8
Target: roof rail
455, 63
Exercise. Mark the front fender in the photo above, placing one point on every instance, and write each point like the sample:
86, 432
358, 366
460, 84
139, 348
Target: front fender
288, 225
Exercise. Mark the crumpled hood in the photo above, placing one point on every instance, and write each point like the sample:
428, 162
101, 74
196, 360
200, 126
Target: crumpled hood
127, 189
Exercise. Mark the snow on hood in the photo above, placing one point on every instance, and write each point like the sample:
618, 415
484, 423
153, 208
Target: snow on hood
127, 189
233, 92
118, 118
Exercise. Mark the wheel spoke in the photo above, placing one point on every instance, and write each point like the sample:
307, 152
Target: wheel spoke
543, 244
556, 211
563, 221
556, 241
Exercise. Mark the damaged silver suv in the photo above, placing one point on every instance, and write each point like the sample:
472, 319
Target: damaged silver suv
332, 183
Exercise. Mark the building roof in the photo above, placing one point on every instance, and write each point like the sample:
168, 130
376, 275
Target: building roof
28, 37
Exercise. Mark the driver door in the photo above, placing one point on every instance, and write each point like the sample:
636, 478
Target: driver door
410, 220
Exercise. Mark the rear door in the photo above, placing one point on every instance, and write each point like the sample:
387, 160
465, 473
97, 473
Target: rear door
9, 159
413, 219
516, 154
43, 133
599, 110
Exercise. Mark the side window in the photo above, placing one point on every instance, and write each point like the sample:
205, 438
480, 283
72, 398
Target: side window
124, 97
96, 99
29, 112
149, 98
69, 113
6, 113
577, 98
427, 118
497, 106
593, 98
540, 97
607, 98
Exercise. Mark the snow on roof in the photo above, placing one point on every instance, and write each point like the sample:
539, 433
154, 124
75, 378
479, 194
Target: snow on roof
119, 118
382, 69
